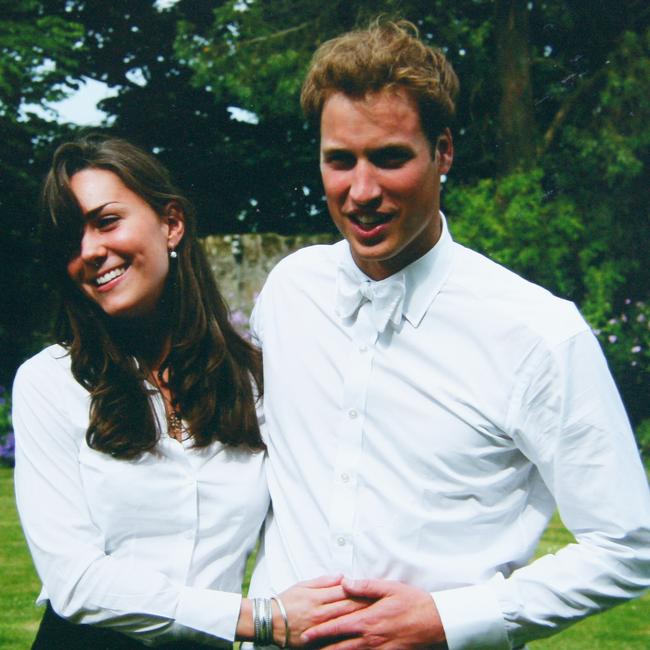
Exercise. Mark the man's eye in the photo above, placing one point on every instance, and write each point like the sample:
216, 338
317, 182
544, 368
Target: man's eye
391, 159
340, 161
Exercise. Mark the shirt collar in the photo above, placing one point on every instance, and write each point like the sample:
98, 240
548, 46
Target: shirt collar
424, 278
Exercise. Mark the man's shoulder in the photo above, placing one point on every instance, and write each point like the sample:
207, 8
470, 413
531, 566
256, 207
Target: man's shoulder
308, 263
505, 294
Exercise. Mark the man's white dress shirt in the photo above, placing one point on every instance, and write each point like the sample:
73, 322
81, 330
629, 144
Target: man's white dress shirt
153, 547
435, 452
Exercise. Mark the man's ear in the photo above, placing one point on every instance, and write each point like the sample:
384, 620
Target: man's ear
445, 151
174, 218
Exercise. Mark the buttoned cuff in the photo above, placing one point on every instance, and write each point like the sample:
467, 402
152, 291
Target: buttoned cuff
471, 618
213, 612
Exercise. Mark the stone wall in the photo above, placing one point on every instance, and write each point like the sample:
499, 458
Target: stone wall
242, 262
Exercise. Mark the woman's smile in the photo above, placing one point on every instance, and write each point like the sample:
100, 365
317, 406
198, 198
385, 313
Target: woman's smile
123, 258
107, 276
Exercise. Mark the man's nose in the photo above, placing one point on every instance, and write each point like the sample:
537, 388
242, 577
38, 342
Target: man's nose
364, 187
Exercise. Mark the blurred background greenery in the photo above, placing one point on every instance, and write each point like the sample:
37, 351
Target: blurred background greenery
552, 137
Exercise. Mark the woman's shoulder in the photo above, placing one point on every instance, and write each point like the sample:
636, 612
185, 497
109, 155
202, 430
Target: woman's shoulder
52, 359
48, 403
47, 371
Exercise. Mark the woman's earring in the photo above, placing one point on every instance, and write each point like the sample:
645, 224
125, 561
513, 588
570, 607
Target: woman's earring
173, 254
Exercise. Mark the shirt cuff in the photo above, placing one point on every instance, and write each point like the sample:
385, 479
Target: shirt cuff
213, 612
471, 618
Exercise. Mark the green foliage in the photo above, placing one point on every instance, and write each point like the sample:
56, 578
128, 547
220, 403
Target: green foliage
577, 223
601, 160
625, 338
643, 438
513, 221
257, 53
38, 59
5, 413
37, 53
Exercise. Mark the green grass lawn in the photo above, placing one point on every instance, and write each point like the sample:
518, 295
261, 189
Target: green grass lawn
624, 628
20, 585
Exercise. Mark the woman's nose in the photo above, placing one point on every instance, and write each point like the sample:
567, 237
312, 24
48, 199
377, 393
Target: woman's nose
93, 249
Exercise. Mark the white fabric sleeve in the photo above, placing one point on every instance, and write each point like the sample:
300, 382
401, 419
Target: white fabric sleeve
471, 618
83, 583
568, 419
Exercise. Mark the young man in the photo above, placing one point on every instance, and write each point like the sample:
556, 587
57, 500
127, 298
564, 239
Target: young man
427, 409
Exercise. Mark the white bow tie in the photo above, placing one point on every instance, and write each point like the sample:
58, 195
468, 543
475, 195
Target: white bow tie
386, 297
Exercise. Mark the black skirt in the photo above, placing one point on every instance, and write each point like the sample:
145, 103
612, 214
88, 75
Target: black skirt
55, 633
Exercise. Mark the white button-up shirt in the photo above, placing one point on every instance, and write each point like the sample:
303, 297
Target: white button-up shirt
153, 547
435, 452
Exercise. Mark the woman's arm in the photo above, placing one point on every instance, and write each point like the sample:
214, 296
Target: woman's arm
84, 583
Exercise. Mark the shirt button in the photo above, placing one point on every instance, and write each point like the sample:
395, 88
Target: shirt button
345, 477
352, 414
340, 541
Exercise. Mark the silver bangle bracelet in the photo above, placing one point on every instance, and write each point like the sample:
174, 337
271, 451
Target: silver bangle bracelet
285, 618
262, 621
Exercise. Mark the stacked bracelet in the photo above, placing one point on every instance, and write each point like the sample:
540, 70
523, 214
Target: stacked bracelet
263, 621
285, 618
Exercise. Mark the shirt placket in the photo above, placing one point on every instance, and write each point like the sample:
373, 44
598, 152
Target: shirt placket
188, 521
346, 466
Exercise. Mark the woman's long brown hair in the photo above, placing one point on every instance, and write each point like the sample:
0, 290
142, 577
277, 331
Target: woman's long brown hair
214, 374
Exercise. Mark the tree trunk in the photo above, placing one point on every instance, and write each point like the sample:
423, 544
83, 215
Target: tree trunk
517, 129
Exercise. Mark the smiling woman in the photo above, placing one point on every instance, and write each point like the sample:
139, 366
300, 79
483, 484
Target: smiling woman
122, 262
139, 480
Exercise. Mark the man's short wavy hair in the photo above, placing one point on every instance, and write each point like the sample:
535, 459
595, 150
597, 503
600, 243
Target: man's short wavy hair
387, 55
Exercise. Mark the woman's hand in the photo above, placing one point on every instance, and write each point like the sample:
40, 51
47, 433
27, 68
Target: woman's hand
310, 603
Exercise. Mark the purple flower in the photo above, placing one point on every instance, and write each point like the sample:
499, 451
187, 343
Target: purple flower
240, 322
238, 317
8, 448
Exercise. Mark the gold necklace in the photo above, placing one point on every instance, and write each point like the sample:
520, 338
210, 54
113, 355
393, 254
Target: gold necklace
175, 427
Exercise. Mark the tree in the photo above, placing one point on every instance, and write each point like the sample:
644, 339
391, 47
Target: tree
517, 130
552, 134
37, 57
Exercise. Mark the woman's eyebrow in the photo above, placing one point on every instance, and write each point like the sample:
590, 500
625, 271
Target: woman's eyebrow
91, 214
